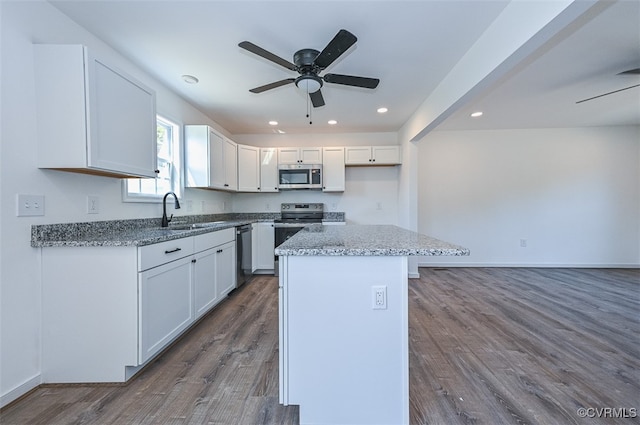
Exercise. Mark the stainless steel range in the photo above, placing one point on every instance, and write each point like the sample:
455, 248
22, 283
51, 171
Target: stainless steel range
293, 218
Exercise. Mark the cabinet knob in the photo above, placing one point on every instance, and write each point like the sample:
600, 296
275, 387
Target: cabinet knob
226, 185
374, 160
193, 261
369, 159
156, 171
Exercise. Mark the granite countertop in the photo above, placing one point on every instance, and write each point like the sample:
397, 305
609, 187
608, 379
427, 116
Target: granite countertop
365, 240
127, 237
145, 231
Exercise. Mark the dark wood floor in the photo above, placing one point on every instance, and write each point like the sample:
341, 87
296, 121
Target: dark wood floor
487, 346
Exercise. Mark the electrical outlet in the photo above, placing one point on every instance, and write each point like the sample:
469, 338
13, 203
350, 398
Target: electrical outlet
523, 243
29, 205
379, 205
379, 293
93, 204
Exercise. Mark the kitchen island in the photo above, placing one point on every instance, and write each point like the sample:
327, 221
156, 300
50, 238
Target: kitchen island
343, 304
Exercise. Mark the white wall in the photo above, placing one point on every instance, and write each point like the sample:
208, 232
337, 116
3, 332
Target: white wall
573, 194
371, 194
24, 23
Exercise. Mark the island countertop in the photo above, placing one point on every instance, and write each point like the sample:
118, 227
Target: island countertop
365, 240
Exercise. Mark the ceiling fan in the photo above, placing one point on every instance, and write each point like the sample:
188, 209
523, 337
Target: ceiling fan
635, 71
309, 63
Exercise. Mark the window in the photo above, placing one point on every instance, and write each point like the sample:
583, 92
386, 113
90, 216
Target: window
169, 177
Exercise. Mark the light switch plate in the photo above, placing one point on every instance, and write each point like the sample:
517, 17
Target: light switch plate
29, 205
93, 204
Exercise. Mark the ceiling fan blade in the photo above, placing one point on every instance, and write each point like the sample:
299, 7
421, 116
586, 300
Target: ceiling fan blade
350, 80
607, 94
630, 72
337, 46
247, 45
272, 85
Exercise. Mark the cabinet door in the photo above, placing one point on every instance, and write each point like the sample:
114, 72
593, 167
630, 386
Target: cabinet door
122, 122
91, 117
230, 165
196, 154
265, 244
268, 170
333, 170
165, 305
204, 281
357, 155
386, 155
248, 169
216, 160
310, 155
225, 268
288, 156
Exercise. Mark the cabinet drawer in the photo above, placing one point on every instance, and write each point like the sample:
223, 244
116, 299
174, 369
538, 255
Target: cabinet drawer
209, 240
160, 253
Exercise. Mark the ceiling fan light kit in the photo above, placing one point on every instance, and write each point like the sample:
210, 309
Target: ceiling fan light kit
309, 63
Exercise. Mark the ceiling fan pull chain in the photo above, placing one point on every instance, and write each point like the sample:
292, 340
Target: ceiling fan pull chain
309, 109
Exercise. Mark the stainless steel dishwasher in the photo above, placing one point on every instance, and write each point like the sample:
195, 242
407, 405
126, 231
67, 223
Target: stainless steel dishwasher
243, 255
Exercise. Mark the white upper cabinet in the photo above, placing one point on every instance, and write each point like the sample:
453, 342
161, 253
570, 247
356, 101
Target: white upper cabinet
211, 159
300, 155
230, 154
248, 169
333, 175
91, 117
372, 155
268, 170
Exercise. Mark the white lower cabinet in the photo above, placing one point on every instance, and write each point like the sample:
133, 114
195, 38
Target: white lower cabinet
213, 276
165, 305
263, 244
118, 307
205, 294
225, 269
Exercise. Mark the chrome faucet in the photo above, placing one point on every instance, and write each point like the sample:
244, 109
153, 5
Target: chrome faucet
165, 220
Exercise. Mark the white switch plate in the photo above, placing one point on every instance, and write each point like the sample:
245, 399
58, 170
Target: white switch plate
93, 204
29, 205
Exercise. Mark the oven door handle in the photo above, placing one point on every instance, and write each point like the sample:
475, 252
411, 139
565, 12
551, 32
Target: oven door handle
284, 225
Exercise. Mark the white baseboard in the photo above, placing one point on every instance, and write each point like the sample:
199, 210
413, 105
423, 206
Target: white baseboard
20, 390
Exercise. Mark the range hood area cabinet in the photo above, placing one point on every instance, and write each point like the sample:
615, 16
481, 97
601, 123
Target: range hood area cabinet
299, 156
211, 160
91, 117
372, 155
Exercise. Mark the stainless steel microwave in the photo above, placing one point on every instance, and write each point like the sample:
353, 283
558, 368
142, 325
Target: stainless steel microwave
300, 176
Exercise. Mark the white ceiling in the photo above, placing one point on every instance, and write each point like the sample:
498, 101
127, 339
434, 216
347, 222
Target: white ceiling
409, 45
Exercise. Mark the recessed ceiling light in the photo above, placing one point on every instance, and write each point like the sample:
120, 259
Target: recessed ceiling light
476, 114
273, 122
332, 122
190, 79
382, 110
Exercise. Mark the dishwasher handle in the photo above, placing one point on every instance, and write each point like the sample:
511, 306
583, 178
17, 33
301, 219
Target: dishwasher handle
243, 229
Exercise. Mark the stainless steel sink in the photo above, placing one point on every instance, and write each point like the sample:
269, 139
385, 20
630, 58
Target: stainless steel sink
194, 225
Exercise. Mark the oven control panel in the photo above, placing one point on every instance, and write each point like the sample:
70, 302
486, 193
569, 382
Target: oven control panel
293, 207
